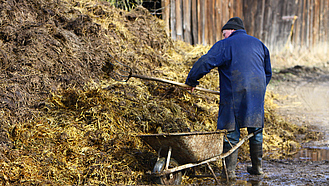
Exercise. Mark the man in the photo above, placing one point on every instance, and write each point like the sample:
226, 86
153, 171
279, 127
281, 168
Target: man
244, 70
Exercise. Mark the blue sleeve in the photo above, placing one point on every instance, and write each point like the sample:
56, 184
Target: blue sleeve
204, 64
268, 68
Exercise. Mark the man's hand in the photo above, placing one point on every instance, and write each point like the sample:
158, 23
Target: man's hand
190, 88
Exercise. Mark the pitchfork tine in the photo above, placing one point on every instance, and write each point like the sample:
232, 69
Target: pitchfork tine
124, 71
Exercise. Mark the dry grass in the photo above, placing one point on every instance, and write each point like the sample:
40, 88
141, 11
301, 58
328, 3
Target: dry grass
318, 56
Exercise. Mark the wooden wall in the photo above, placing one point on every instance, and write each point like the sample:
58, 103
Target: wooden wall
278, 23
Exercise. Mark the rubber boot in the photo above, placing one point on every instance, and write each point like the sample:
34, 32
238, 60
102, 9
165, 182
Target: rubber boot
256, 154
230, 162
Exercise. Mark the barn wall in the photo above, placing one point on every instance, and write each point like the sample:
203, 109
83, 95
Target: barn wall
280, 24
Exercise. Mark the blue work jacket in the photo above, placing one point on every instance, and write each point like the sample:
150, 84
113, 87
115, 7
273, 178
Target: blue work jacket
244, 70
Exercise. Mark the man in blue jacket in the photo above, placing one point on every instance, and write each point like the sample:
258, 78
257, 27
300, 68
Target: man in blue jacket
244, 70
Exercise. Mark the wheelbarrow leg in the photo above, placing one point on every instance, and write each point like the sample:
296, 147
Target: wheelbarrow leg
225, 169
213, 173
168, 158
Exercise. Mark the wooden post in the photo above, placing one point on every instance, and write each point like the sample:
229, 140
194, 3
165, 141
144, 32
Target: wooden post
206, 22
173, 19
179, 20
194, 12
218, 21
166, 14
187, 21
200, 24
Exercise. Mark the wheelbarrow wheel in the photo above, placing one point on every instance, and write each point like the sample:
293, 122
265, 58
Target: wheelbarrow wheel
174, 178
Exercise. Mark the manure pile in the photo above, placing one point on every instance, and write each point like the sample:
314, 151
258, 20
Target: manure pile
64, 121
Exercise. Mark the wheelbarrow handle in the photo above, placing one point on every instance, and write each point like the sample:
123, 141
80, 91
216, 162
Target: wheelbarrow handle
173, 83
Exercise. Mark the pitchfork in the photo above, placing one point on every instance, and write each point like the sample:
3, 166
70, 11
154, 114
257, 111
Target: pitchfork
121, 72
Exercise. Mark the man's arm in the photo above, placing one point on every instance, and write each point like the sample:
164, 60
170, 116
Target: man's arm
204, 64
268, 68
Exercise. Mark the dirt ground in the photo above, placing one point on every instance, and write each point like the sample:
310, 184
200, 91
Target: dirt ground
305, 92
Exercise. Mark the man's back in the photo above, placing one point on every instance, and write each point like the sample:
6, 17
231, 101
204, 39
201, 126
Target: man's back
244, 69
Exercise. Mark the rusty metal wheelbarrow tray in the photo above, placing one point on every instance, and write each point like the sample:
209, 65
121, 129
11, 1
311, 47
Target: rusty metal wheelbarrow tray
187, 147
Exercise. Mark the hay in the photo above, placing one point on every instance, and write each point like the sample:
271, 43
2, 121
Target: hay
63, 122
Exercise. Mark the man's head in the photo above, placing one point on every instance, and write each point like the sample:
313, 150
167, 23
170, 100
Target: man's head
233, 24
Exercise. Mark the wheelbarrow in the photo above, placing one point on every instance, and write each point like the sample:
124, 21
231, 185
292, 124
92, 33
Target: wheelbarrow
179, 151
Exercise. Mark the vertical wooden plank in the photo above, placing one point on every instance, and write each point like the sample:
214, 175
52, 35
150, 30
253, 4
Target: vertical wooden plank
187, 21
166, 14
261, 25
194, 22
324, 19
218, 20
173, 19
302, 37
305, 36
265, 24
206, 21
213, 23
298, 24
203, 22
321, 13
222, 16
179, 20
259, 19
269, 23
274, 27
236, 5
252, 21
240, 13
295, 12
325, 16
309, 22
311, 25
305, 24
200, 21
248, 16
316, 24
225, 12
230, 8
210, 22
285, 25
